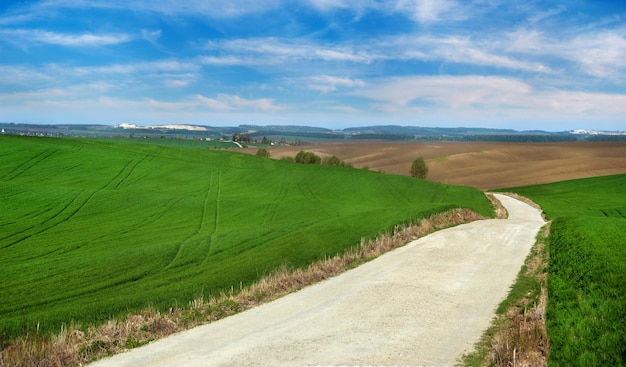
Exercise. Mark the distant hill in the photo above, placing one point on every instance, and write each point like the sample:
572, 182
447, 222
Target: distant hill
290, 133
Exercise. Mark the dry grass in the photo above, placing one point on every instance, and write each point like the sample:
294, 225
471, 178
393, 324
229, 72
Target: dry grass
76, 345
499, 209
523, 339
518, 337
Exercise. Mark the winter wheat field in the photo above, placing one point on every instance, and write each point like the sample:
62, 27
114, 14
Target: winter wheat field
93, 230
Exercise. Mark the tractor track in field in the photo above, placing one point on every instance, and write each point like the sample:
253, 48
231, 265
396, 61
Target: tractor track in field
68, 211
216, 220
205, 232
130, 172
32, 162
272, 209
47, 224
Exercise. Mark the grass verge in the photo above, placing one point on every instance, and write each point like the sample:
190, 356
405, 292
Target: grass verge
76, 344
517, 335
586, 315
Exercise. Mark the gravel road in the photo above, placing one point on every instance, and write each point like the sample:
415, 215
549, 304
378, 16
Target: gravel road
423, 304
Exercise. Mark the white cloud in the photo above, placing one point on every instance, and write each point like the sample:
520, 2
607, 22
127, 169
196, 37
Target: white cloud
124, 79
167, 69
151, 36
541, 15
176, 83
449, 91
429, 11
86, 105
38, 36
326, 5
426, 11
47, 96
466, 51
344, 109
599, 54
481, 96
212, 8
584, 104
212, 103
329, 83
12, 76
198, 102
491, 52
422, 11
276, 50
178, 80
223, 61
263, 104
454, 49
357, 6
223, 102
525, 41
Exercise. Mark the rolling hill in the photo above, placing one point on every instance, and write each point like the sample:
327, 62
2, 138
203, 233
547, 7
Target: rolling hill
93, 229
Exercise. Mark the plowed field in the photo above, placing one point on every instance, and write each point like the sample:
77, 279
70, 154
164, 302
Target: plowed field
481, 165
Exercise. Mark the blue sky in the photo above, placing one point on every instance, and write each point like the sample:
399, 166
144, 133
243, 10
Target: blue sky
521, 64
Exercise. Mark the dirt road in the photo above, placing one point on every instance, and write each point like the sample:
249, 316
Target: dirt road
422, 304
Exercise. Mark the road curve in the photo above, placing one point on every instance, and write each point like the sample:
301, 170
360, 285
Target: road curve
422, 304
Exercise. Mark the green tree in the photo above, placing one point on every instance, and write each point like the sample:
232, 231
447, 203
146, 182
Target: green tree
419, 168
307, 158
262, 152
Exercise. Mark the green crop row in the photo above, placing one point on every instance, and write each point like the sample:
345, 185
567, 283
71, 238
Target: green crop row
93, 229
586, 314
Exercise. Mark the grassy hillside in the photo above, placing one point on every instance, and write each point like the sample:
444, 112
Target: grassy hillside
586, 315
93, 229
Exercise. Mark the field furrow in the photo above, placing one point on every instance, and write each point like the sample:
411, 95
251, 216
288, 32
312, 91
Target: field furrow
64, 214
195, 248
119, 177
129, 172
396, 191
308, 194
207, 237
216, 210
24, 167
272, 207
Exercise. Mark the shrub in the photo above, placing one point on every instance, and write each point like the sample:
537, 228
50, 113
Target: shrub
307, 158
333, 160
262, 152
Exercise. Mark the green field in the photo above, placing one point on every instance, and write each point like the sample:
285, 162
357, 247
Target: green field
178, 142
93, 229
586, 315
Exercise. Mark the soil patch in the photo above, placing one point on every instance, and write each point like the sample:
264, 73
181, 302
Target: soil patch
481, 165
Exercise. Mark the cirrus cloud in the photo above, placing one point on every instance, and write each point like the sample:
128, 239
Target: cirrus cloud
38, 36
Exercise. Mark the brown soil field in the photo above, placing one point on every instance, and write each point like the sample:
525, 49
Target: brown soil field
481, 165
